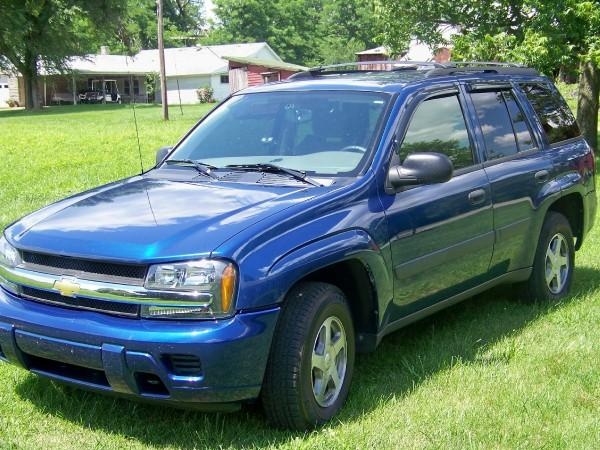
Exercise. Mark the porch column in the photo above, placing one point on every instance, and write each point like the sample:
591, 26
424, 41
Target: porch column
74, 90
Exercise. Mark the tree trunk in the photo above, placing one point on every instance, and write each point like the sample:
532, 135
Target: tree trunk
588, 101
29, 71
29, 83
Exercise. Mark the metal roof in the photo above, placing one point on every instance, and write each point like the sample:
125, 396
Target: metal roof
184, 61
270, 64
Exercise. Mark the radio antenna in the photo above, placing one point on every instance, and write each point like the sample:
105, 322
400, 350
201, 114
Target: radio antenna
137, 132
132, 103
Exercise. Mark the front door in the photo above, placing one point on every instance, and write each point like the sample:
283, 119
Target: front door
441, 235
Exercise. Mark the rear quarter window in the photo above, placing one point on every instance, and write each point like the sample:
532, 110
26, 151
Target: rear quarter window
555, 116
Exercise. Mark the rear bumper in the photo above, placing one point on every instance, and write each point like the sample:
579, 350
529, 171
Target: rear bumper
179, 362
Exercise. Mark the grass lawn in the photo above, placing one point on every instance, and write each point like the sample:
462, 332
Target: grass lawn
489, 373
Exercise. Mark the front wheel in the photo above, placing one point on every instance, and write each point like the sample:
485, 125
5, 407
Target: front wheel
312, 358
554, 261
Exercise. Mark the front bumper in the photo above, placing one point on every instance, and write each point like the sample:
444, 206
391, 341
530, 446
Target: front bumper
180, 362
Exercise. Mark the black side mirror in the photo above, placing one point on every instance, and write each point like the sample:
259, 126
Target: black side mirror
421, 168
162, 153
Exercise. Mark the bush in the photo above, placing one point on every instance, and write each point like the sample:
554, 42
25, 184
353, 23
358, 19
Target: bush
205, 94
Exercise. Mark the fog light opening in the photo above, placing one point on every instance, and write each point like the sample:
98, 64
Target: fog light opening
150, 384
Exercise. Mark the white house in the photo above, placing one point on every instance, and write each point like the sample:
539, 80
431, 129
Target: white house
187, 70
191, 68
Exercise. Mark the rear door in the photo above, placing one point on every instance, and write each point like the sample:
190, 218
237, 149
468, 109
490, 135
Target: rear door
441, 235
520, 174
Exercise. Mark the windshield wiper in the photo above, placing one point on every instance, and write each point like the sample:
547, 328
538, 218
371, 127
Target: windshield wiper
204, 169
273, 168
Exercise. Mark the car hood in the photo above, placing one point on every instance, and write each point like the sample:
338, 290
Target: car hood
144, 219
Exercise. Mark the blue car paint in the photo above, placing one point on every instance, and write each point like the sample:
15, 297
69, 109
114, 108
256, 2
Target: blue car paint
277, 235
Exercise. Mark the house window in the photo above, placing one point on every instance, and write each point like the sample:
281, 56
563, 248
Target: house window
126, 88
136, 87
224, 79
269, 77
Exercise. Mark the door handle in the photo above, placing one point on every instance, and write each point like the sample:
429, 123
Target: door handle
477, 197
542, 176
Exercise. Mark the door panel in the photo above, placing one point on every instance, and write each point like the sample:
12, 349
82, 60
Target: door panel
518, 173
449, 246
441, 235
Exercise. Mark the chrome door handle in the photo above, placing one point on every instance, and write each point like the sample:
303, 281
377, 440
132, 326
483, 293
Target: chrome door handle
477, 197
542, 176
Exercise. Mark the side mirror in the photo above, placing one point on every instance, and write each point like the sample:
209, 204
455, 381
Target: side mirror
421, 168
162, 153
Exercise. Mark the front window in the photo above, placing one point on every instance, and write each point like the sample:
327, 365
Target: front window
323, 133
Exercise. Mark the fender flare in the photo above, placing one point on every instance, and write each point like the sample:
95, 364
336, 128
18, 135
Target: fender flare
353, 244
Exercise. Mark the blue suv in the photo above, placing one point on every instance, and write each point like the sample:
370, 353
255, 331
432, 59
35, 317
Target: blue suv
296, 224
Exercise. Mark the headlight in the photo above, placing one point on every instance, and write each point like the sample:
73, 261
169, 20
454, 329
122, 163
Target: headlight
9, 256
213, 281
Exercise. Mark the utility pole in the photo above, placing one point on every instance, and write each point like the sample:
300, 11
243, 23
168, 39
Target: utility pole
161, 56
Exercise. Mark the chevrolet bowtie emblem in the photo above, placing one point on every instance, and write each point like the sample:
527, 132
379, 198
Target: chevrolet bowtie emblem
67, 287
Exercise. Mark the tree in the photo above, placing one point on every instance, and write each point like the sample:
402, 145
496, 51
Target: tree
183, 24
46, 32
301, 31
550, 35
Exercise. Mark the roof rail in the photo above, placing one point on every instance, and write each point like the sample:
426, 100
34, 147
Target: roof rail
382, 66
486, 63
460, 67
432, 68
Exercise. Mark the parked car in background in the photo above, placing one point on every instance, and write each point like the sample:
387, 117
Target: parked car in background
298, 223
101, 91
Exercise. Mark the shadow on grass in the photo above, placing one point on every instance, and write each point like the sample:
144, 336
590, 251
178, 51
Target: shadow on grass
69, 109
403, 361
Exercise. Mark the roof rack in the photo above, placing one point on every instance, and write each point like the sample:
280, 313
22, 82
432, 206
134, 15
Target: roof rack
432, 68
373, 66
464, 67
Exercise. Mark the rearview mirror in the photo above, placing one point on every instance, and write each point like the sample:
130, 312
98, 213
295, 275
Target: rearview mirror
162, 153
421, 168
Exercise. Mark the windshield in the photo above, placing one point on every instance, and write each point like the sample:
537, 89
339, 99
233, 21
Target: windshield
324, 133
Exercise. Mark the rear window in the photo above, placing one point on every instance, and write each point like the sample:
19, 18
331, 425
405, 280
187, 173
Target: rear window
554, 114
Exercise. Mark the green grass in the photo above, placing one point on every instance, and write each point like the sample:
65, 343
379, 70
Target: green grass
489, 373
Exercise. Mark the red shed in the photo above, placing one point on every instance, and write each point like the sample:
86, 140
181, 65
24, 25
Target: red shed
245, 72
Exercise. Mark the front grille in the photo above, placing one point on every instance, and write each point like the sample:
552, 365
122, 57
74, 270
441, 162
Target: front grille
84, 268
120, 309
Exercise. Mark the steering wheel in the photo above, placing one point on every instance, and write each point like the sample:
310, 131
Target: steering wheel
354, 149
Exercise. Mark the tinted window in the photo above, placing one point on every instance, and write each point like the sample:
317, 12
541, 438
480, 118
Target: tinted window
554, 114
327, 132
438, 125
519, 123
495, 124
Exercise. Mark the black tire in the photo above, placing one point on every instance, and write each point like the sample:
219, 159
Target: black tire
537, 288
287, 395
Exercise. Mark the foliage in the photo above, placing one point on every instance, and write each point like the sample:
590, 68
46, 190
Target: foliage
300, 31
489, 373
205, 94
183, 22
545, 34
550, 35
150, 82
45, 32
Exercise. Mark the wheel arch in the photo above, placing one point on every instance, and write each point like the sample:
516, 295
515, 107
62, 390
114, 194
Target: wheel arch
571, 206
352, 262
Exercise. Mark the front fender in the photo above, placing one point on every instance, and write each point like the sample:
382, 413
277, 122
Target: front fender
354, 244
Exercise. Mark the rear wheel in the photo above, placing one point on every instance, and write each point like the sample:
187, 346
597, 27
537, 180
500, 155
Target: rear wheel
312, 358
554, 261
